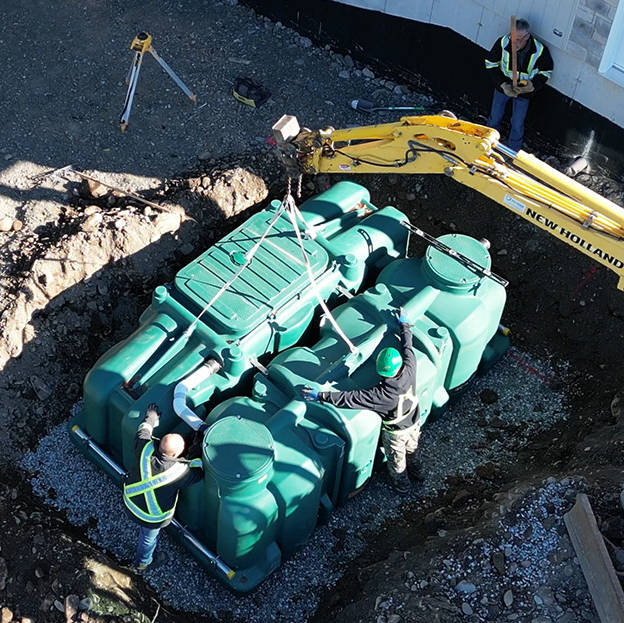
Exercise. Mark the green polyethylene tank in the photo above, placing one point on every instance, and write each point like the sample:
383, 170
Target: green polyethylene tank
466, 302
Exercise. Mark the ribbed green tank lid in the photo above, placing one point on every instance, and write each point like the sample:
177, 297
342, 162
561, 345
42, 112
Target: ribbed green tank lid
238, 449
448, 271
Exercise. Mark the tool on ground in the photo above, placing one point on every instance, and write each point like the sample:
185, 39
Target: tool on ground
69, 169
141, 44
250, 92
366, 106
514, 52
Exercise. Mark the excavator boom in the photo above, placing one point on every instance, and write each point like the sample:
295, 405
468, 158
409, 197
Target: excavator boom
472, 155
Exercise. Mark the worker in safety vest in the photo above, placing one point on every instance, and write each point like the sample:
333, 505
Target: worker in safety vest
152, 486
394, 399
534, 68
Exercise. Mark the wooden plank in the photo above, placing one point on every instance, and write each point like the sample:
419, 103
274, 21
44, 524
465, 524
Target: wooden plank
591, 551
514, 52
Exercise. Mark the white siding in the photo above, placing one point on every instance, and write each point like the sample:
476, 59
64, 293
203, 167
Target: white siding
568, 27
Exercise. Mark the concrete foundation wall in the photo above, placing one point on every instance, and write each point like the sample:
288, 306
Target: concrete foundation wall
576, 32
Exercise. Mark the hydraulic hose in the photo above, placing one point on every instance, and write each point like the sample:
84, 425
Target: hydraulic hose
207, 369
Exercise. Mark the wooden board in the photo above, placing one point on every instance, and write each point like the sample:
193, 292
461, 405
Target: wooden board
591, 551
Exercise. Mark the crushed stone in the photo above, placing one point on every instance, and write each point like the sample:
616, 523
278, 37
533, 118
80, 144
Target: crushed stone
453, 444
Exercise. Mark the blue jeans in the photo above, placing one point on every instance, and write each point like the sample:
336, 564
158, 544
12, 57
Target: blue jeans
520, 106
148, 538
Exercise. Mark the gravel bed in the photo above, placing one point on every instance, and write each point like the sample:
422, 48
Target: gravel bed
453, 445
526, 568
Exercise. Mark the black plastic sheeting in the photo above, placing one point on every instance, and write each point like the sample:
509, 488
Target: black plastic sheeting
452, 66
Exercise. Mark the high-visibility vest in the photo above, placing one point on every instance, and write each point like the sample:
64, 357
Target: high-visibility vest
148, 485
399, 415
505, 63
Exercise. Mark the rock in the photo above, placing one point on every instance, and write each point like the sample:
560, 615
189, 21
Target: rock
92, 222
166, 222
498, 562
549, 522
95, 189
487, 471
17, 225
502, 252
41, 389
59, 605
394, 618
367, 73
617, 411
71, 607
89, 210
304, 42
348, 62
488, 396
6, 615
465, 587
461, 497
6, 223
344, 74
4, 572
508, 598
85, 604
466, 609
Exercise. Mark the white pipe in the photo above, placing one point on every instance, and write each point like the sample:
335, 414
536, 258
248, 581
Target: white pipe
185, 386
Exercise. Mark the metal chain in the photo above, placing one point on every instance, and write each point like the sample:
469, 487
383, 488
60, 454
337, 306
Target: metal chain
299, 182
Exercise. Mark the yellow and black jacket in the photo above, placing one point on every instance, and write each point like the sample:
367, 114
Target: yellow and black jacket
534, 63
152, 486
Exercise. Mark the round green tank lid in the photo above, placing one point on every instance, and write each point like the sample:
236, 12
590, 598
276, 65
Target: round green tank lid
448, 271
238, 449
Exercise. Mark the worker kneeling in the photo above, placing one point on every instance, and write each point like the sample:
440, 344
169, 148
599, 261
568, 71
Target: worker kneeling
151, 490
394, 399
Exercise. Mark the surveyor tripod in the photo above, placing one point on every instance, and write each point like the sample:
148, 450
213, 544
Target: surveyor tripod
141, 44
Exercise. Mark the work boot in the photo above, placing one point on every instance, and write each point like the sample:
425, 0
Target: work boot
414, 467
400, 482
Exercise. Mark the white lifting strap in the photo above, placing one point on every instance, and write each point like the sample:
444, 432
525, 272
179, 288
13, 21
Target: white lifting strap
248, 257
291, 209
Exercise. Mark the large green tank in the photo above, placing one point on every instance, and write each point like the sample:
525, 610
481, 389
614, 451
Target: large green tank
325, 454
276, 465
266, 309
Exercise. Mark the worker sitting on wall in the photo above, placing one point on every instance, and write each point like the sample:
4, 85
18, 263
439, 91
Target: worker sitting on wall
534, 68
152, 486
394, 398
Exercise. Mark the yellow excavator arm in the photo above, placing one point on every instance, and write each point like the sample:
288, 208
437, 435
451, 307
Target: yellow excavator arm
472, 155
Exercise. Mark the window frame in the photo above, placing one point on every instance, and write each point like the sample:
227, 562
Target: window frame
615, 46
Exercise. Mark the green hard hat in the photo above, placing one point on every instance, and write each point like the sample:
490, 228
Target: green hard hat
389, 362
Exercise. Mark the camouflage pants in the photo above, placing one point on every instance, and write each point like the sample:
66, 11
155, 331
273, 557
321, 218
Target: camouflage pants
397, 445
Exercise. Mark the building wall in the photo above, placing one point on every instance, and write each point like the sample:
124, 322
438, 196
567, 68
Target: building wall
576, 32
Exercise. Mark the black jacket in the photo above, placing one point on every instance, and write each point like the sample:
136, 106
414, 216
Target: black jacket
498, 64
384, 397
167, 495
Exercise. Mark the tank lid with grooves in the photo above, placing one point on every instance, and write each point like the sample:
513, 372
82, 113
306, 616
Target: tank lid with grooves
238, 449
447, 270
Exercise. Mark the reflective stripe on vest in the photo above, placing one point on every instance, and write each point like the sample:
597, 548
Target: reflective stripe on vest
147, 487
532, 71
410, 394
